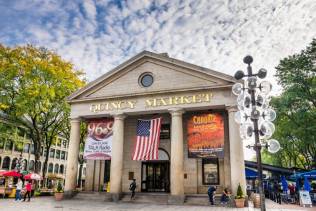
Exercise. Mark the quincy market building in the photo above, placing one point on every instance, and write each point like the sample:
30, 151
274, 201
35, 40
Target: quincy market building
147, 86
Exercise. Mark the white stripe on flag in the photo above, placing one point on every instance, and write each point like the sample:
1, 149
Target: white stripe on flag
147, 146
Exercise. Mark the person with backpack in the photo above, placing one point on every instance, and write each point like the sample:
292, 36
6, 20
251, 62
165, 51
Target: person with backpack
210, 193
132, 187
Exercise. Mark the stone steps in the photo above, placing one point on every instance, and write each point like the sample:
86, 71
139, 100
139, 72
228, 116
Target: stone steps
148, 198
202, 199
93, 196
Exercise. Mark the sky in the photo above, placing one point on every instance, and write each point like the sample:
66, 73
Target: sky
97, 35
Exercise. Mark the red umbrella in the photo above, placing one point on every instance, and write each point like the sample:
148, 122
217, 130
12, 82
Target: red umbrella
33, 176
10, 174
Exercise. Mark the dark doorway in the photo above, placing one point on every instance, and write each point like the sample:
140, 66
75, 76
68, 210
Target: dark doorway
107, 168
155, 176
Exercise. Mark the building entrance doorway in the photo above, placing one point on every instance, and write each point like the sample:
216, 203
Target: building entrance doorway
156, 174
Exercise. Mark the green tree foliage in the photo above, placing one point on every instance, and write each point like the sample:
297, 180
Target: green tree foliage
34, 84
296, 111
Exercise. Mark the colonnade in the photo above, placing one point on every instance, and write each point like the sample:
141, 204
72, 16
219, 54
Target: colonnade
176, 161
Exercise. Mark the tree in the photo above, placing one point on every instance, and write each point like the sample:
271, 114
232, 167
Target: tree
34, 84
296, 110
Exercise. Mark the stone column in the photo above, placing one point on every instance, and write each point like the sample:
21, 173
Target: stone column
176, 162
237, 162
72, 161
116, 172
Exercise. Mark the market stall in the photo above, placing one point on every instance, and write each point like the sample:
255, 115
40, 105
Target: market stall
7, 183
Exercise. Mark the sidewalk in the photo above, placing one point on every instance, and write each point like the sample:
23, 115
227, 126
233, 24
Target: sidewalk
49, 204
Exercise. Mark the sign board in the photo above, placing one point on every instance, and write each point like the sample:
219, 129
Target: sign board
98, 144
305, 198
205, 134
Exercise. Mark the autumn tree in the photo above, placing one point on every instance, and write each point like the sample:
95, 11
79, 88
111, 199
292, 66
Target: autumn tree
34, 84
296, 110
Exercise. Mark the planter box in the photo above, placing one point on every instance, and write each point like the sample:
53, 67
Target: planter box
59, 196
240, 203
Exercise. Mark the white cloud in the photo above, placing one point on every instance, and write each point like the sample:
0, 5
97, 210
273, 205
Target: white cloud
98, 35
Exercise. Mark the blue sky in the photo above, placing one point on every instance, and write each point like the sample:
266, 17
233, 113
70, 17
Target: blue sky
97, 35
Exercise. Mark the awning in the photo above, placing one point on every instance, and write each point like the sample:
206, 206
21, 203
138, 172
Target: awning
10, 174
251, 174
309, 175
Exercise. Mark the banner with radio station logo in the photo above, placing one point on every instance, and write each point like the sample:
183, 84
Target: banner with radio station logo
98, 144
205, 135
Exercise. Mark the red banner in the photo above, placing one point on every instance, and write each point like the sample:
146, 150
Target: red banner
98, 144
206, 135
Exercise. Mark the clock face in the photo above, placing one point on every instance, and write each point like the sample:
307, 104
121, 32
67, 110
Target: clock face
146, 80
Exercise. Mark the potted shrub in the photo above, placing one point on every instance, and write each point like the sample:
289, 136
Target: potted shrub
240, 198
59, 192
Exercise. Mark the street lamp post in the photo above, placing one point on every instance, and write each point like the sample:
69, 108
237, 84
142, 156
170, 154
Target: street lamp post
255, 116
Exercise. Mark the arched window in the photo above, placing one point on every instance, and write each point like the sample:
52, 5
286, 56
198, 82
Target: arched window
56, 168
24, 164
162, 154
32, 165
6, 163
61, 169
50, 168
13, 164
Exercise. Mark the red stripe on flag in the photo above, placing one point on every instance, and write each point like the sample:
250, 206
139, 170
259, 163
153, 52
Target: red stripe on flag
146, 147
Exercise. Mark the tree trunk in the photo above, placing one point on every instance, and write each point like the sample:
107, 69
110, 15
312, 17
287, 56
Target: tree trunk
45, 164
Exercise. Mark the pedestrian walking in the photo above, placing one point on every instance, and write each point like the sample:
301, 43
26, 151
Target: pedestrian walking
28, 188
210, 193
132, 187
19, 187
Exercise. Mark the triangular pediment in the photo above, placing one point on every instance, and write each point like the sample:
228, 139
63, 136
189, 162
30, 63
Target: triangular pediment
169, 75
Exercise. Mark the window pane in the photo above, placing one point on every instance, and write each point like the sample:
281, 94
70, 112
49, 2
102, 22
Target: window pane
52, 153
26, 148
62, 155
58, 154
32, 149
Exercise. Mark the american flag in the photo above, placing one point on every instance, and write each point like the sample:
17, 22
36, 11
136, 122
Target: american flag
147, 140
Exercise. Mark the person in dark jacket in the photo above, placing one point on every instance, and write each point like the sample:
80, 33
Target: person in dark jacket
225, 196
132, 187
211, 190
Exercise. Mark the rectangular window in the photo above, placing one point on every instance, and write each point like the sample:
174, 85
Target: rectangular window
52, 153
57, 154
32, 149
45, 152
165, 131
26, 148
210, 172
62, 155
